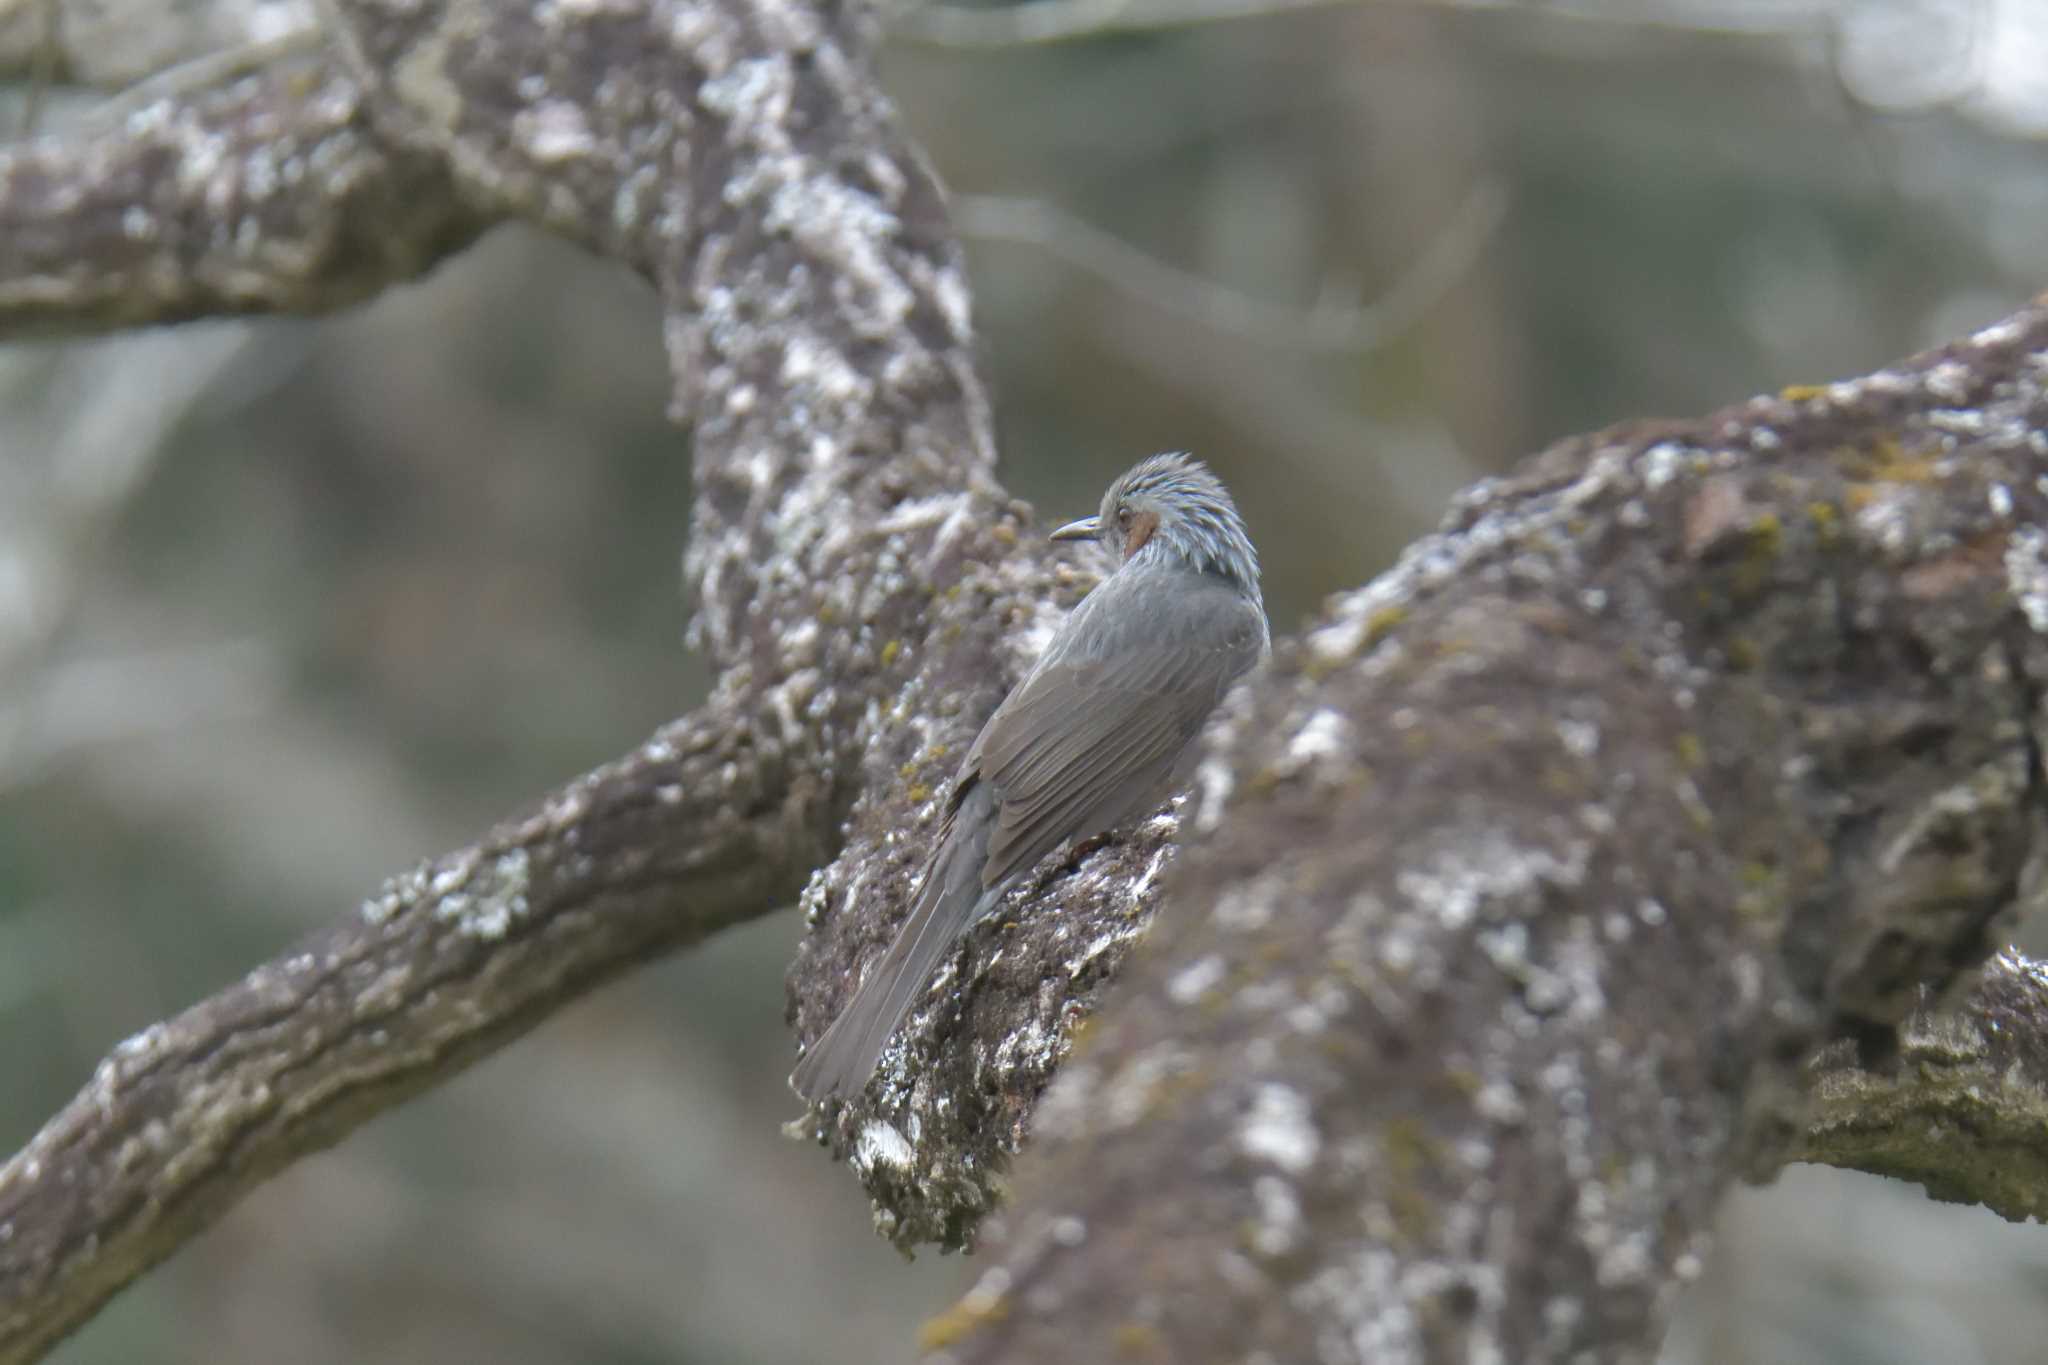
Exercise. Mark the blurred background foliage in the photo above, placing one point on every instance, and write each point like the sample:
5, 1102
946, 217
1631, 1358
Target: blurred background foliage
286, 606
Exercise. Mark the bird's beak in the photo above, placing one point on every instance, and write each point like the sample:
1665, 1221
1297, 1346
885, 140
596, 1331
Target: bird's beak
1087, 528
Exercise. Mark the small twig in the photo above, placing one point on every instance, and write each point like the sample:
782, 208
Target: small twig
97, 458
212, 69
1053, 21
84, 704
1327, 325
42, 71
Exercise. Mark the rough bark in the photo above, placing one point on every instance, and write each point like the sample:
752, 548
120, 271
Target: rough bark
267, 195
741, 159
1533, 871
701, 827
1961, 1110
1519, 886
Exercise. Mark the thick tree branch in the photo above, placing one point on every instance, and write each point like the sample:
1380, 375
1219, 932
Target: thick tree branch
269, 194
705, 825
1530, 873
740, 158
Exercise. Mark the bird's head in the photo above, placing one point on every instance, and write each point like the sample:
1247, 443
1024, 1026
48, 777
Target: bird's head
1171, 505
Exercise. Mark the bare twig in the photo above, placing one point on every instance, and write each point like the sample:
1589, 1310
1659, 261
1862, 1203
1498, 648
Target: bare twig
43, 65
1328, 324
1053, 21
79, 705
118, 402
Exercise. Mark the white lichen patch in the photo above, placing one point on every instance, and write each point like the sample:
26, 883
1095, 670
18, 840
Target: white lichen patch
553, 131
753, 96
1325, 734
1375, 1302
2026, 574
1280, 1128
1666, 461
1949, 381
1195, 980
852, 232
488, 899
1213, 783
1141, 887
811, 368
401, 892
880, 1145
1279, 1223
141, 1047
1032, 1045
1575, 974
2014, 963
1581, 738
1499, 1101
1090, 951
1486, 868
707, 33
1886, 521
1999, 334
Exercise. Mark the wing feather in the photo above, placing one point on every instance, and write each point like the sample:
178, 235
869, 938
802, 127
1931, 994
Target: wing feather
1093, 734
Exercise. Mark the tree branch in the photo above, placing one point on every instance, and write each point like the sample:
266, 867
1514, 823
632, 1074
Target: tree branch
1331, 323
1962, 1109
705, 825
267, 194
1531, 871
817, 321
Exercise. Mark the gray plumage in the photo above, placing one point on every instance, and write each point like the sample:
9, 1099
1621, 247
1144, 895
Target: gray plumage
1095, 735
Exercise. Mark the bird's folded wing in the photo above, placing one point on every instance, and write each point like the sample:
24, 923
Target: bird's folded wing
1092, 736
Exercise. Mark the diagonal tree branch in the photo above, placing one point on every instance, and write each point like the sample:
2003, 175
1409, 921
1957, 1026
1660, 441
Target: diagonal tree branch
741, 160
1533, 871
705, 825
268, 194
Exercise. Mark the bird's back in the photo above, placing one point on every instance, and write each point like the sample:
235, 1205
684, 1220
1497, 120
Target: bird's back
1094, 733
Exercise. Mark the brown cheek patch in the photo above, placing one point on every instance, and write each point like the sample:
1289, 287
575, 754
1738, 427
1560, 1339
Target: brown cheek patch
1142, 527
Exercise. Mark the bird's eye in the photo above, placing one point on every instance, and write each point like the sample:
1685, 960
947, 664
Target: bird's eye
1123, 517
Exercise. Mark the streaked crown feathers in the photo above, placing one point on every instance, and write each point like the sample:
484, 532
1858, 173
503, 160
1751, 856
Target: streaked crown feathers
1197, 521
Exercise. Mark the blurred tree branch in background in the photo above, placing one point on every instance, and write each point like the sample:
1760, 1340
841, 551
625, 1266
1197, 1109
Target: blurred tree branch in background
1332, 323
1519, 891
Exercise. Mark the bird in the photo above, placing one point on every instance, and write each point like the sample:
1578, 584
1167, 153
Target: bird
1100, 731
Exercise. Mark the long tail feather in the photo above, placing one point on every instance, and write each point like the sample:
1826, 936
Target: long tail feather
948, 903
